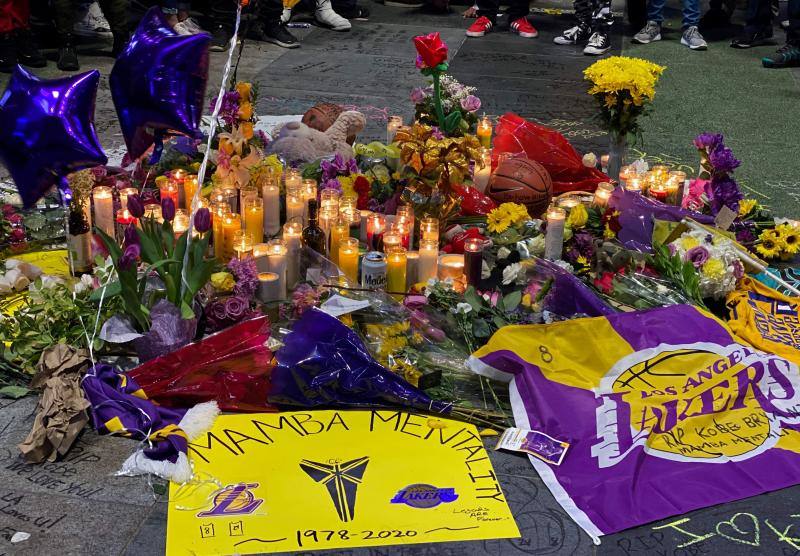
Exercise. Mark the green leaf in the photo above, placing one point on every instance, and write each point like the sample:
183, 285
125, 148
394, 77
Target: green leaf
14, 392
499, 322
480, 329
111, 289
186, 311
111, 244
475, 301
451, 121
512, 300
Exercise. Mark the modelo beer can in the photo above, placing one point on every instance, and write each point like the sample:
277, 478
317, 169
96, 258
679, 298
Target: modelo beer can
373, 271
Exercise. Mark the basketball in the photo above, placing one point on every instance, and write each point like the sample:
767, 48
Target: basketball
521, 180
322, 116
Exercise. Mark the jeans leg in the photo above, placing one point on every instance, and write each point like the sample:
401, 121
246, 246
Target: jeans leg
655, 10
270, 10
489, 9
758, 16
602, 20
518, 9
583, 12
691, 13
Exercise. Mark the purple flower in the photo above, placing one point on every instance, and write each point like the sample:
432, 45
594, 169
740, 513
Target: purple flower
722, 159
708, 140
584, 244
471, 103
129, 256
223, 160
135, 205
437, 133
418, 95
332, 183
202, 220
697, 256
229, 112
246, 275
167, 209
236, 308
724, 193
131, 235
738, 269
745, 234
672, 249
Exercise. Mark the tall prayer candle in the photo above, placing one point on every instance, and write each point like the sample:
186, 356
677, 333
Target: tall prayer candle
485, 132
473, 260
124, 194
412, 268
554, 237
231, 195
339, 230
396, 262
231, 223
219, 211
376, 224
294, 208
254, 218
104, 209
329, 199
309, 189
390, 240
277, 253
242, 246
347, 255
404, 217
674, 185
429, 229
260, 252
428, 260
189, 189
482, 170
293, 179
180, 223
268, 287
292, 237
170, 189
364, 228
270, 193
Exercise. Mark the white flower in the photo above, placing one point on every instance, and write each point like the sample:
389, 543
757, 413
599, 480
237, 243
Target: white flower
85, 283
536, 245
485, 271
590, 160
641, 166
503, 252
462, 308
511, 273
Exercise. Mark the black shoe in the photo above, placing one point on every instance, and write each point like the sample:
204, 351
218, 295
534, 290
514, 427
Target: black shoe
120, 42
27, 52
749, 39
67, 55
599, 43
714, 18
220, 39
275, 33
788, 56
8, 53
356, 12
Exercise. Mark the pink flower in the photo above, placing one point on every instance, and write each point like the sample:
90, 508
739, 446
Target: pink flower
8, 210
694, 200
417, 95
15, 219
17, 235
471, 103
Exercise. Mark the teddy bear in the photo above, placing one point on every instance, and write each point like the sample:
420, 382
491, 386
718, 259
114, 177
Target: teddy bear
296, 142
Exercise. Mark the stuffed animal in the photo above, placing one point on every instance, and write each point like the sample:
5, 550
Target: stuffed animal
296, 142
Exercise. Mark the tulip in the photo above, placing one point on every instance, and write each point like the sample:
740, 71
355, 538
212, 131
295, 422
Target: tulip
135, 206
129, 256
167, 209
131, 236
202, 220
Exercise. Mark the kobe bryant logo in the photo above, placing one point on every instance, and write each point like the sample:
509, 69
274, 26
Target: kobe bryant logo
233, 500
341, 480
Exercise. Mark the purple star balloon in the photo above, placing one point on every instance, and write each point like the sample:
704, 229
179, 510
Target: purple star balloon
158, 83
48, 130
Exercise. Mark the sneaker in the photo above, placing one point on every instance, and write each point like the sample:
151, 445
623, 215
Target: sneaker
326, 17
276, 33
92, 23
693, 39
481, 26
220, 39
524, 29
650, 33
8, 53
357, 13
787, 56
599, 43
188, 27
27, 52
749, 39
573, 35
67, 55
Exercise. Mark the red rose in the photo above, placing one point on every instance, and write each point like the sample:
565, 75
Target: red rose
8, 210
17, 235
431, 49
15, 219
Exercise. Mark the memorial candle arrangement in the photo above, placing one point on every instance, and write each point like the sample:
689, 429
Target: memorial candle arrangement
277, 254
482, 170
392, 125
376, 225
428, 260
602, 194
270, 194
429, 229
292, 238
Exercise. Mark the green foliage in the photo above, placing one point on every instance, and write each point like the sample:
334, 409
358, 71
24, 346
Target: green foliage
681, 274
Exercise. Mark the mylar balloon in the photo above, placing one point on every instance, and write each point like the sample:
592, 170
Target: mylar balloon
158, 83
47, 130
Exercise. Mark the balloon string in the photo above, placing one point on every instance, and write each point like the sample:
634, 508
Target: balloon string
201, 173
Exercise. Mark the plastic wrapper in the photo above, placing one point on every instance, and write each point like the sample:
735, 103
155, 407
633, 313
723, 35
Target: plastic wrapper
549, 148
323, 363
231, 367
567, 297
637, 215
640, 291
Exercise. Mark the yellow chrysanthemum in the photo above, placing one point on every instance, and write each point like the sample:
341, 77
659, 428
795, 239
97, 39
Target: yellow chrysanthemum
689, 242
578, 217
611, 76
790, 236
498, 221
746, 206
516, 212
714, 269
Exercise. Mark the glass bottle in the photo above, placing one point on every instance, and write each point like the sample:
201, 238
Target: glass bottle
313, 235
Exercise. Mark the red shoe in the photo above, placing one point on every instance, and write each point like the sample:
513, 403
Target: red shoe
523, 28
481, 26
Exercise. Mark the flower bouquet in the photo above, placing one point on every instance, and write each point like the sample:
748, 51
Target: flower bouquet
455, 98
166, 320
623, 88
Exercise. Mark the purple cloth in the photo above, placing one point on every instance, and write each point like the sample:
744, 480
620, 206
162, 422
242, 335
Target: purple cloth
568, 296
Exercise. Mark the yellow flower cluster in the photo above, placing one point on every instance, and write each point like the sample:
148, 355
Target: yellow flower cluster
612, 76
223, 281
714, 269
578, 216
783, 242
746, 206
506, 215
245, 91
388, 338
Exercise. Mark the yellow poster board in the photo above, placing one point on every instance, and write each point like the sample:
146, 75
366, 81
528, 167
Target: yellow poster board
316, 480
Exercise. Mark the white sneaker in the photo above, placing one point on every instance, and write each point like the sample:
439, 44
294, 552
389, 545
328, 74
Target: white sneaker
188, 27
91, 23
327, 17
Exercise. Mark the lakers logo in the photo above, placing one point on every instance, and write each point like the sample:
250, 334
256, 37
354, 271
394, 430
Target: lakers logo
699, 402
234, 500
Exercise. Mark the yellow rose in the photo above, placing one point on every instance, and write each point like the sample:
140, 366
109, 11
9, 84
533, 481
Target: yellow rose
245, 111
578, 217
222, 281
246, 129
244, 89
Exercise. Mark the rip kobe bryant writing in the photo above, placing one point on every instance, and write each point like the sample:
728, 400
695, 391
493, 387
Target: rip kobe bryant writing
699, 402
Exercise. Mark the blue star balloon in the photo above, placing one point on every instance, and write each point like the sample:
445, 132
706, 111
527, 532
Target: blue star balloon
47, 130
158, 83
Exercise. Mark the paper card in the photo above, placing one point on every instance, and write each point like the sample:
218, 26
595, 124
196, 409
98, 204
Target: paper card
302, 481
724, 219
535, 443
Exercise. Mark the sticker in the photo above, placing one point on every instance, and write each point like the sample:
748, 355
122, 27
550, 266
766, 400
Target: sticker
535, 443
424, 496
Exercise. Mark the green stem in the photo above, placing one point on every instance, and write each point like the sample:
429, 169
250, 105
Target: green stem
437, 102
